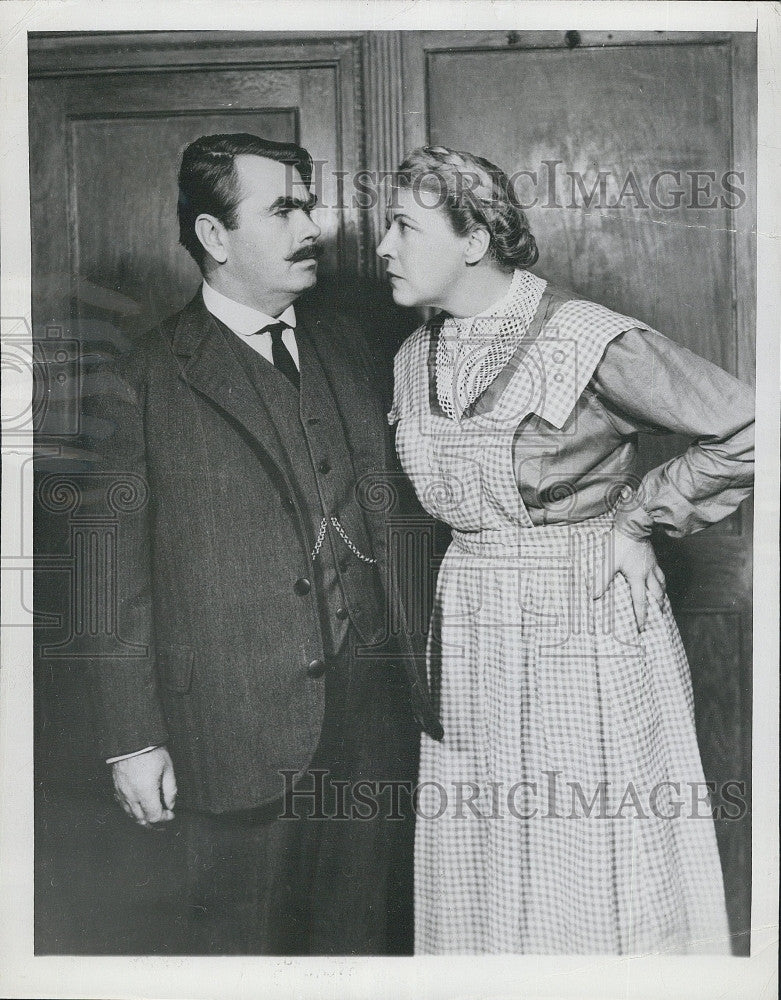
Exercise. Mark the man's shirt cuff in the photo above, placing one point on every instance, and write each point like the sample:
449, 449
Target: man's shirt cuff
135, 753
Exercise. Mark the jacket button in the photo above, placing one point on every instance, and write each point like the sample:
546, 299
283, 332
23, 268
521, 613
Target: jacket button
316, 668
323, 466
341, 614
302, 586
287, 504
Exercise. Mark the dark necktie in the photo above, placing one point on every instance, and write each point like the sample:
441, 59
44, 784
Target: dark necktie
281, 356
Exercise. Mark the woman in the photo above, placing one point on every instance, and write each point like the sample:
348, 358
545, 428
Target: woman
555, 815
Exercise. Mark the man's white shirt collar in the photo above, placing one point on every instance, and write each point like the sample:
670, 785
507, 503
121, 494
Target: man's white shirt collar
245, 322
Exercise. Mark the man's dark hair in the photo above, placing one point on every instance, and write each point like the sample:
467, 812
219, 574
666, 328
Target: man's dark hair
208, 182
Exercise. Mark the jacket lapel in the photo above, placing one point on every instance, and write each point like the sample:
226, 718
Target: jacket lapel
213, 370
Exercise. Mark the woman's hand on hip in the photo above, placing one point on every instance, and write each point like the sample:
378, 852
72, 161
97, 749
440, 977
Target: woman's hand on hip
635, 560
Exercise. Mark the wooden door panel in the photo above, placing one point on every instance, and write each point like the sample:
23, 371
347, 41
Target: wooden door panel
105, 148
634, 107
715, 645
128, 258
131, 253
120, 140
670, 267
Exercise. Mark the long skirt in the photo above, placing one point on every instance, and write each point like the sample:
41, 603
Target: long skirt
565, 810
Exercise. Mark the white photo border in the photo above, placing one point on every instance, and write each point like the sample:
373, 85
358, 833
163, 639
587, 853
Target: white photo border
22, 974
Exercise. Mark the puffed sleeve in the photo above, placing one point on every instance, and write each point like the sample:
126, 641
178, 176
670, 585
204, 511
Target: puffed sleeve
655, 384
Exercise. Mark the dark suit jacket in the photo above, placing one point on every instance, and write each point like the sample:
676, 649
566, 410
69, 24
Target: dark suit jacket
206, 566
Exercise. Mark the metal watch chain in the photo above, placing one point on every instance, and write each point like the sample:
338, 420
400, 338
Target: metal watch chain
344, 536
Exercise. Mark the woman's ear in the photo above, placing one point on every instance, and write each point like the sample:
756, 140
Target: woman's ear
477, 245
209, 231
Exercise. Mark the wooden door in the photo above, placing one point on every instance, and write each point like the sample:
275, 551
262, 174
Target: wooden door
559, 105
109, 116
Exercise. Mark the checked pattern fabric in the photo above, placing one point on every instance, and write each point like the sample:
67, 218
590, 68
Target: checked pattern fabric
547, 815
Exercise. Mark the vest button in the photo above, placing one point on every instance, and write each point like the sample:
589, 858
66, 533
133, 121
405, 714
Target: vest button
341, 614
287, 504
316, 668
313, 421
302, 586
344, 563
323, 466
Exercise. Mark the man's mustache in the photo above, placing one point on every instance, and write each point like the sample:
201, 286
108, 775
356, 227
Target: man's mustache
313, 251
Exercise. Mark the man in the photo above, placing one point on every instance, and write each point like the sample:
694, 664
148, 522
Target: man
250, 577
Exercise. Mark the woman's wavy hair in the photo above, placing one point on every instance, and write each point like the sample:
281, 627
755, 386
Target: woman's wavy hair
474, 193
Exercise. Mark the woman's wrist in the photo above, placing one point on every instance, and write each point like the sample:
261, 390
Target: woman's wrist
636, 523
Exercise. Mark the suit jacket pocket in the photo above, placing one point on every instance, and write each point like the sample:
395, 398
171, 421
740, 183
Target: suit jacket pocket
176, 667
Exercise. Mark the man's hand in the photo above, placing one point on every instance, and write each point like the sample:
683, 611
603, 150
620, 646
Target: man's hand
145, 786
635, 559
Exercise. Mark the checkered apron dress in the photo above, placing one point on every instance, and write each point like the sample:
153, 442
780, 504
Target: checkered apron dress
555, 816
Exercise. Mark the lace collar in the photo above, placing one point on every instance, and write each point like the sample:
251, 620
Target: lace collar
472, 351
